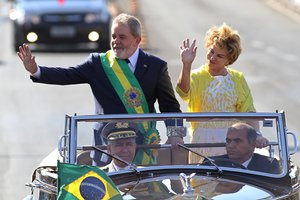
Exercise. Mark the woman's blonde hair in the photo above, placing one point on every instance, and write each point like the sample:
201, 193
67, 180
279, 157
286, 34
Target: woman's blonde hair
226, 38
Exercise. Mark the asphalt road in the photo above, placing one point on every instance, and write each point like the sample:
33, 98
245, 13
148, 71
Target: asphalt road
32, 115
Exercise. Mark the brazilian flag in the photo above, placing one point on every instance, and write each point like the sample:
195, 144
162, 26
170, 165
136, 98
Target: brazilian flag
85, 183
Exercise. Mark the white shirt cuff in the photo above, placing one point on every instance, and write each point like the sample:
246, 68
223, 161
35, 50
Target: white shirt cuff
37, 74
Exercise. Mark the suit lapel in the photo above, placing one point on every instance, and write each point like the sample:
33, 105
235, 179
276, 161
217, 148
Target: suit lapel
255, 163
141, 65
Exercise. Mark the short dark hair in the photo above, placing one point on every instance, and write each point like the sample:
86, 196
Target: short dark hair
251, 132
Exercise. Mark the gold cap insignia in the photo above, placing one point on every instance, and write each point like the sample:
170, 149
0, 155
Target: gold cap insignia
122, 125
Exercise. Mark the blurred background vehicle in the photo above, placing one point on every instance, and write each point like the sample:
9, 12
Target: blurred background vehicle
61, 23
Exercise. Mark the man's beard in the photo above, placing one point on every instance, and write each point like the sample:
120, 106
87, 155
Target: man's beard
122, 54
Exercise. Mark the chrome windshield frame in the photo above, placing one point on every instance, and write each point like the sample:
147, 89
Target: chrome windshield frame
69, 149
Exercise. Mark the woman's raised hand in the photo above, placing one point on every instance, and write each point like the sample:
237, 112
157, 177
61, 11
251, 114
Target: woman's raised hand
188, 52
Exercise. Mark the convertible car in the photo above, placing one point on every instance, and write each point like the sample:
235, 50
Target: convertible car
171, 174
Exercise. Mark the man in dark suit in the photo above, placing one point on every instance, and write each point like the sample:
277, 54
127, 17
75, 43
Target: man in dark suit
123, 80
240, 145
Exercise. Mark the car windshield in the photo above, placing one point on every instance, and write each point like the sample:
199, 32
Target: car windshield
213, 146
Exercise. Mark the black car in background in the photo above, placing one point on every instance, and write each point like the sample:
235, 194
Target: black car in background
61, 23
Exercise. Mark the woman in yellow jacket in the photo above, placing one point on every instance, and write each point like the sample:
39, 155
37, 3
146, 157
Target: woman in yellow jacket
214, 87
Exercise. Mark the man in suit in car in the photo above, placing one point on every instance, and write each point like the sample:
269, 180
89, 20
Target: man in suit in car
125, 79
240, 145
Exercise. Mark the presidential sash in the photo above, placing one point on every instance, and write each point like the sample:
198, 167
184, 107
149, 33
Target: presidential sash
134, 100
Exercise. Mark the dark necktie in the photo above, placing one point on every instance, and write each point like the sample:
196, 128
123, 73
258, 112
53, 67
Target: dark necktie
127, 60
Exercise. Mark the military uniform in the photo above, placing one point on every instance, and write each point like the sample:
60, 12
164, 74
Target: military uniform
117, 131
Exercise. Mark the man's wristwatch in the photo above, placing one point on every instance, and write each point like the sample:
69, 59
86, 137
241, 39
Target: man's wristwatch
176, 131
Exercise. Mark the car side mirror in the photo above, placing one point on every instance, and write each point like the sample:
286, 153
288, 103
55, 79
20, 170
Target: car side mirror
295, 147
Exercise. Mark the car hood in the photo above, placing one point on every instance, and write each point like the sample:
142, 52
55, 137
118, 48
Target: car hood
201, 189
53, 6
232, 190
173, 186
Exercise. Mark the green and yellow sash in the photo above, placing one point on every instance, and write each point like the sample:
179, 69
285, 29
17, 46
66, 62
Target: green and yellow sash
133, 98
